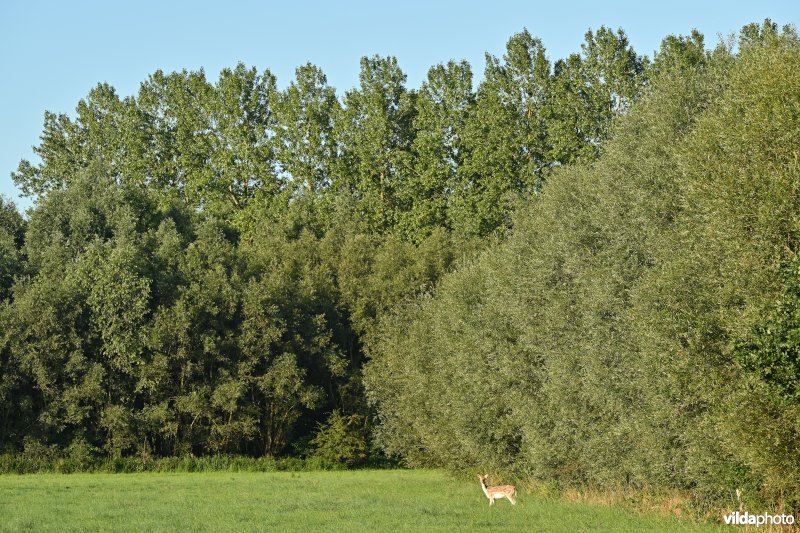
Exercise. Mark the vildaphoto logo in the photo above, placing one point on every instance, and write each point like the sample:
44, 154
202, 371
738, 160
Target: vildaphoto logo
747, 519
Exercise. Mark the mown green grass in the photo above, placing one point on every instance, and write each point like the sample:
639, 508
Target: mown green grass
387, 500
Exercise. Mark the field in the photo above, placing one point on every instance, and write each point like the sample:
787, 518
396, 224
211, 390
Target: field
330, 501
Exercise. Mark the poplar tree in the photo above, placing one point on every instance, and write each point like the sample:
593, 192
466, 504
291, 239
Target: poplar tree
375, 135
443, 104
505, 138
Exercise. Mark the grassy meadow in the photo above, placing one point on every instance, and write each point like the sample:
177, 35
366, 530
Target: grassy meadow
399, 500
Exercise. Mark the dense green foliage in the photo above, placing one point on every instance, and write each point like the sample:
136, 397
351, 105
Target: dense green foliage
582, 270
394, 500
640, 325
206, 261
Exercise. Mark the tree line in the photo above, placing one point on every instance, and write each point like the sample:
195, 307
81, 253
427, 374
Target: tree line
561, 272
205, 259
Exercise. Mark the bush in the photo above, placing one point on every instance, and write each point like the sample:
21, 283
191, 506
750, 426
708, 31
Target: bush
342, 440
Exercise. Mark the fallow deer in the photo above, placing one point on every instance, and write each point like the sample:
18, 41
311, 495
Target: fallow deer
498, 492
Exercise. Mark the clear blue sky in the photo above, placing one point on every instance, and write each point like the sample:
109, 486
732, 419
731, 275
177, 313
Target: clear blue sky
53, 53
